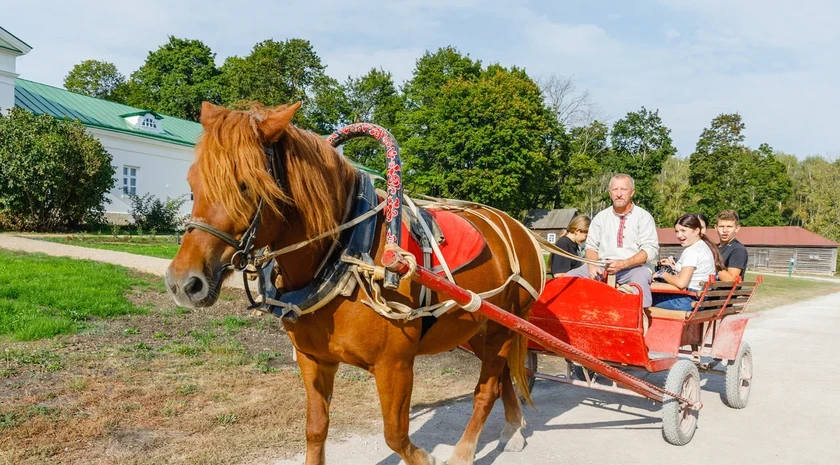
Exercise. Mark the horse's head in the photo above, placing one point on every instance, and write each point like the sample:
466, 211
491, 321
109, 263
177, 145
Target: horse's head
233, 174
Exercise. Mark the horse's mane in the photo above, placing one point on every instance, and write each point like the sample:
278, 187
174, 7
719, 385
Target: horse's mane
232, 167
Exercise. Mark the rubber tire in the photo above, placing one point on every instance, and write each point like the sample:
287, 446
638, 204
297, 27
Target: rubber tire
531, 362
683, 379
734, 396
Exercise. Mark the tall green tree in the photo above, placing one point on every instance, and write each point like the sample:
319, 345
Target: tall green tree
53, 174
485, 140
175, 79
372, 98
725, 174
583, 186
99, 79
640, 145
673, 191
815, 202
281, 72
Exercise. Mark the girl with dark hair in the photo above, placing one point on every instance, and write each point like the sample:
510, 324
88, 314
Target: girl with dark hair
699, 260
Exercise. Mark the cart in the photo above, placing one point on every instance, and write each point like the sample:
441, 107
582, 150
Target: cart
601, 331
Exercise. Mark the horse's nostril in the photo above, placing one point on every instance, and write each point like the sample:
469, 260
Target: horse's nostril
173, 288
194, 286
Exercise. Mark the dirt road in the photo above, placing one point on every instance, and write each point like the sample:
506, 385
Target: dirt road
792, 418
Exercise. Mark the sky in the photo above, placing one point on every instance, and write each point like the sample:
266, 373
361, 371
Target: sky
775, 62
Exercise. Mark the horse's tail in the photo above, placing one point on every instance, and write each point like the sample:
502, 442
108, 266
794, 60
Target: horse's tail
516, 364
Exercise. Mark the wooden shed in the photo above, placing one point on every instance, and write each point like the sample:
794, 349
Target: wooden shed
550, 224
771, 248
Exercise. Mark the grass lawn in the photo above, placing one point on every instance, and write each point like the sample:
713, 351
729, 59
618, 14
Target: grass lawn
42, 296
776, 291
157, 246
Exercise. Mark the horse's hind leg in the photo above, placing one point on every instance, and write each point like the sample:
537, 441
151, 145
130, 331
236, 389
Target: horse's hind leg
511, 439
492, 348
394, 382
318, 379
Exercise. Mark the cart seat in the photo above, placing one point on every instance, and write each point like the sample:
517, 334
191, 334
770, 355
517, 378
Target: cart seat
657, 312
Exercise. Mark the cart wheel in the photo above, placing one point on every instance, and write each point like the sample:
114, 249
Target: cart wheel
531, 368
680, 422
739, 379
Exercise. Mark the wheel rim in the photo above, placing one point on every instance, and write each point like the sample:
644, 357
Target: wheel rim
688, 415
745, 376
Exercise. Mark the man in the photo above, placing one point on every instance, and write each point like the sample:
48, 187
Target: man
734, 253
624, 235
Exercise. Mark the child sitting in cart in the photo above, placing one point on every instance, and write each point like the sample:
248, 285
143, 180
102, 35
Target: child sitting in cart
699, 260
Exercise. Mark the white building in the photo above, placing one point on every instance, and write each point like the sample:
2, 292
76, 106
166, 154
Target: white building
151, 152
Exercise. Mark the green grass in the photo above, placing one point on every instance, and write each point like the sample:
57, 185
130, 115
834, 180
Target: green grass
42, 296
775, 291
160, 246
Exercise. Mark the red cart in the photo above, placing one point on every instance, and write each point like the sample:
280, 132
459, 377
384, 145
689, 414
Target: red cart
601, 330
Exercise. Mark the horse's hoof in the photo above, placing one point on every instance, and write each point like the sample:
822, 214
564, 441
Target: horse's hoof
515, 444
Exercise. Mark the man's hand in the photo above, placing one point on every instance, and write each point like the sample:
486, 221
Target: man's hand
595, 271
614, 266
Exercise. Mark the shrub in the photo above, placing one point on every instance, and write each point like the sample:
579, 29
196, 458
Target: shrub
53, 174
150, 213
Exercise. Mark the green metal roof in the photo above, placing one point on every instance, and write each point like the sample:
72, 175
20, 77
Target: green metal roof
43, 99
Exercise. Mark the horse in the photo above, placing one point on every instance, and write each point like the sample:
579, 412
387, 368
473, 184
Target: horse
232, 180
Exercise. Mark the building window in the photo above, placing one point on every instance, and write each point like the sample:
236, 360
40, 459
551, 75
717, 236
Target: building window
149, 122
129, 184
551, 237
762, 257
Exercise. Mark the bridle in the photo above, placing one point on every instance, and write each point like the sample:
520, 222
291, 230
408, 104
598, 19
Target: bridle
245, 245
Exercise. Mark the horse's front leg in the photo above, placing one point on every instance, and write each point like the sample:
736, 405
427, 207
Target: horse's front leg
318, 379
394, 382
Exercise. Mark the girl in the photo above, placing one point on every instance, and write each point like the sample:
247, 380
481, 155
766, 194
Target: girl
575, 235
699, 260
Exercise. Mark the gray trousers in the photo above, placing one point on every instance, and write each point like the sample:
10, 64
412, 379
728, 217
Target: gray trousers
640, 275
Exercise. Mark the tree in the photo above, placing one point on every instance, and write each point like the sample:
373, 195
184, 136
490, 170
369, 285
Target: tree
584, 186
815, 202
175, 79
277, 73
487, 141
640, 145
572, 108
371, 98
53, 175
673, 191
98, 79
725, 174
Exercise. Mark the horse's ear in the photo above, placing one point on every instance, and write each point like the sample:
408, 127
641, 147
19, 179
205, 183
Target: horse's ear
209, 112
275, 125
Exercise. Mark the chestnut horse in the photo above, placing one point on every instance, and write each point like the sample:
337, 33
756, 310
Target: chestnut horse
231, 179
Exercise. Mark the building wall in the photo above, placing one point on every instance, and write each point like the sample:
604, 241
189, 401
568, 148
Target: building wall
161, 168
809, 260
7, 81
558, 233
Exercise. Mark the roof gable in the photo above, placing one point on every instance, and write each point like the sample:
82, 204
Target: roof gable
778, 236
9, 42
60, 103
550, 219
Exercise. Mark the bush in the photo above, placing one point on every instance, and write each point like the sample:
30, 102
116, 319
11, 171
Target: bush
53, 174
152, 214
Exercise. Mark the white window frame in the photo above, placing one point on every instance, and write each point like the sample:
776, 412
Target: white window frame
551, 237
129, 180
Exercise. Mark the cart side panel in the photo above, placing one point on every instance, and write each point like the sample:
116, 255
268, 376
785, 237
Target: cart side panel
593, 317
664, 335
728, 336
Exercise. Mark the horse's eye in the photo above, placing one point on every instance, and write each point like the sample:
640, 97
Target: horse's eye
243, 187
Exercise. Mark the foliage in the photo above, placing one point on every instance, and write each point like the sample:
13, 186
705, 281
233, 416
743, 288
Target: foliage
640, 145
175, 79
276, 73
483, 139
672, 191
99, 79
371, 98
53, 175
151, 213
585, 185
815, 204
726, 174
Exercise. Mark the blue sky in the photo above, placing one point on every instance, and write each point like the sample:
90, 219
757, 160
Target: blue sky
773, 61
